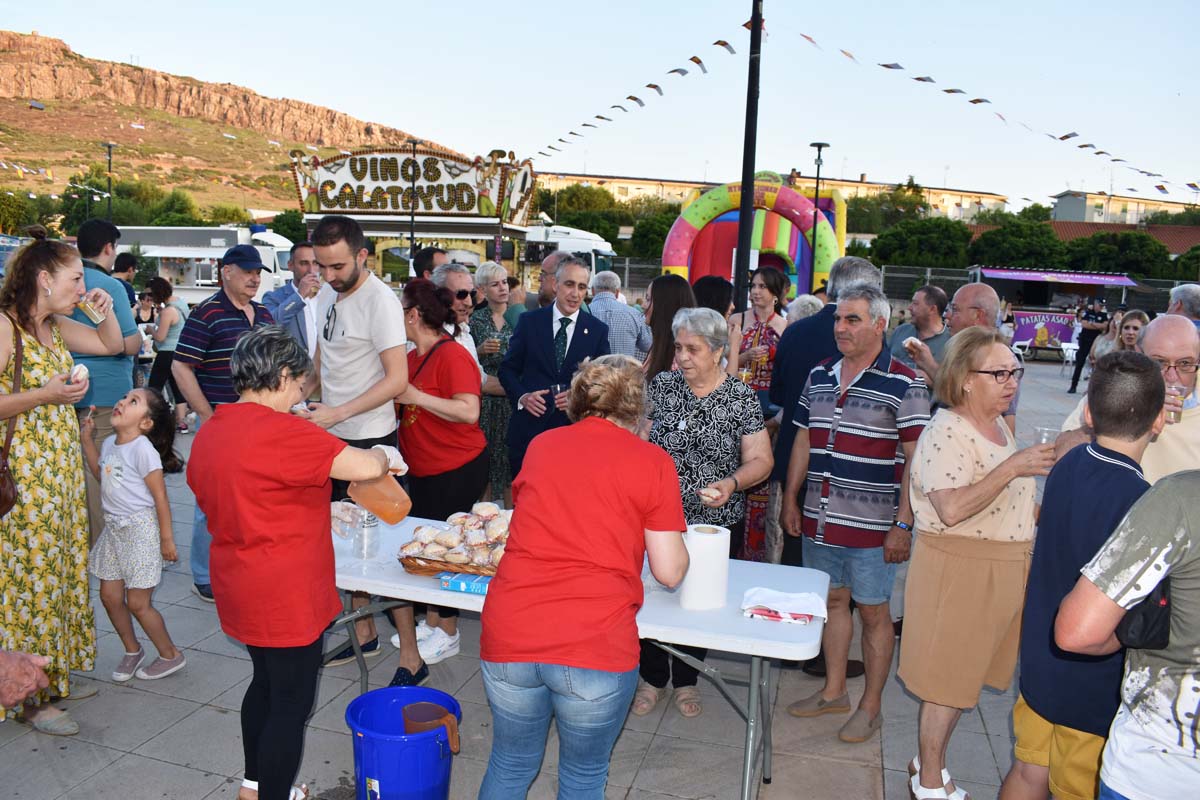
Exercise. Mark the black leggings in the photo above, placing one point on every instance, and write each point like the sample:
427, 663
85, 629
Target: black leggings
438, 496
277, 703
160, 375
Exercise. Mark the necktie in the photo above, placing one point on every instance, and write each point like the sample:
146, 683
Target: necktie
560, 342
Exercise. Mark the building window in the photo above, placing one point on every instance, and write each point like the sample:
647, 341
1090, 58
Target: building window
623, 191
206, 273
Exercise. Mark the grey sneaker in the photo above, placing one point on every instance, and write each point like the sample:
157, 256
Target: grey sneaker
128, 665
162, 667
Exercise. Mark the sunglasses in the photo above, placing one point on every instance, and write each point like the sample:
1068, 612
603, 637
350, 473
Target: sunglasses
463, 294
330, 321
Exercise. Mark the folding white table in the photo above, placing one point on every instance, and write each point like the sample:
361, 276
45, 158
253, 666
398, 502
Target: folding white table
661, 619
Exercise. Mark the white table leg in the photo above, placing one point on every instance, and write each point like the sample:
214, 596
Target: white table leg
752, 722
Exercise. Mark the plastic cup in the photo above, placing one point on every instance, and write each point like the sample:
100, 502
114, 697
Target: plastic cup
1175, 390
90, 311
1046, 435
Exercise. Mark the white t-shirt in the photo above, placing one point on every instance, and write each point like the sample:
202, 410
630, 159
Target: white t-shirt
364, 324
123, 471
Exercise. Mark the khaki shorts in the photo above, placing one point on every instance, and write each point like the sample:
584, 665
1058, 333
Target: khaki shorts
1073, 756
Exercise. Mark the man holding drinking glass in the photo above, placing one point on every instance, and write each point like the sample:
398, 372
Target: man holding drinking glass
1173, 343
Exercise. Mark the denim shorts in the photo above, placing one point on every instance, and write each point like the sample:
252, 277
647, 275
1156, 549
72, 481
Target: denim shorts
863, 569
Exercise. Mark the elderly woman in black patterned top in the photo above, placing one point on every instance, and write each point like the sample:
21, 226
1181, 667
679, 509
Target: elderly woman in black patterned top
711, 424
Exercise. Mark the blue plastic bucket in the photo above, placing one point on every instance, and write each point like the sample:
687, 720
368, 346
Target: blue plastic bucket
390, 764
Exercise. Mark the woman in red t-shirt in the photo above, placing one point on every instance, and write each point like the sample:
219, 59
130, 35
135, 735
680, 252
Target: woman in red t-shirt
559, 627
262, 477
444, 445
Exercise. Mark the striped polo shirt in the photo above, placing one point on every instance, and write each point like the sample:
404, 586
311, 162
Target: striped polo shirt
207, 340
856, 461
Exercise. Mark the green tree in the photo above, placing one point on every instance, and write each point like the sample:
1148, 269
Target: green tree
1129, 251
290, 225
1018, 244
14, 213
1189, 216
174, 219
992, 216
879, 212
1187, 266
857, 247
597, 222
147, 268
225, 213
642, 207
930, 242
1035, 213
178, 204
578, 197
650, 233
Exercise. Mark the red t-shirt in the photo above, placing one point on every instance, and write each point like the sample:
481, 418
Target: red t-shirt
262, 478
569, 587
430, 444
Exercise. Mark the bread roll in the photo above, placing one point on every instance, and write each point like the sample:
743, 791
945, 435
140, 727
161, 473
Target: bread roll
450, 538
485, 511
497, 530
481, 556
458, 555
413, 548
426, 533
475, 536
458, 518
497, 554
472, 521
434, 550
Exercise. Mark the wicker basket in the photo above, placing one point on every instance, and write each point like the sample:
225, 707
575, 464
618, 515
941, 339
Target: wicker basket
416, 565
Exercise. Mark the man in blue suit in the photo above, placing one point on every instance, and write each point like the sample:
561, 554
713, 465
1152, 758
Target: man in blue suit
294, 305
544, 351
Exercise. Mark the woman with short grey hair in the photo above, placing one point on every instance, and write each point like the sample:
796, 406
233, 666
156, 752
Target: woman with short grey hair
492, 329
803, 306
262, 475
711, 425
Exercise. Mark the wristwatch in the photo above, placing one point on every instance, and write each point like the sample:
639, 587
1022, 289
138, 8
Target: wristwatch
904, 526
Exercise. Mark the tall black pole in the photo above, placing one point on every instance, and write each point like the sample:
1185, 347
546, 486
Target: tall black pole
746, 211
412, 211
816, 213
109, 146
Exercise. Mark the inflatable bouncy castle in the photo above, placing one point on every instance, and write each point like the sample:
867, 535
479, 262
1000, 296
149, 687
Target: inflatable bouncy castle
702, 241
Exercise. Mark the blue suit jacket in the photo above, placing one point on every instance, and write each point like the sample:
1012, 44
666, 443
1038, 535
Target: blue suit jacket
802, 346
529, 366
287, 309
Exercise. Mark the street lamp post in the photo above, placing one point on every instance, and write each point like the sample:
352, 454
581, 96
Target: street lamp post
109, 146
746, 209
412, 208
816, 207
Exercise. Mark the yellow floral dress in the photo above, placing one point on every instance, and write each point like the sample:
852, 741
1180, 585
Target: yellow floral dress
44, 606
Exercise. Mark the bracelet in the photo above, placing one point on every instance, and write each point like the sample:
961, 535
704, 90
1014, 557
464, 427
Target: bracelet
904, 526
736, 486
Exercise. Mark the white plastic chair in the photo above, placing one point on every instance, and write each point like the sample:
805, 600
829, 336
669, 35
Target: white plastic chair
1069, 351
1022, 347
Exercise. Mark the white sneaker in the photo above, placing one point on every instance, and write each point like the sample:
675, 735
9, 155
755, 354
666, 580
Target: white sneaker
423, 633
438, 647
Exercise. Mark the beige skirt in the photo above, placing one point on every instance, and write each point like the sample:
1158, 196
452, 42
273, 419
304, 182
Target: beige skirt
962, 619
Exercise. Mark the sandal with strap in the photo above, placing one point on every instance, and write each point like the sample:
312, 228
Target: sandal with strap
959, 793
647, 699
298, 792
687, 701
918, 792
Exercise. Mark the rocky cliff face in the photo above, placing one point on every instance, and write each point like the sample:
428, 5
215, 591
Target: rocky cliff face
40, 68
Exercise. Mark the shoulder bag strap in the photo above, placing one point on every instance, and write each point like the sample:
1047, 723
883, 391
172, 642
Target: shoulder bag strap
18, 363
428, 356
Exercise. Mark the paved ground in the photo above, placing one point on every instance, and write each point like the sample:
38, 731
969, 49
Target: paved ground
180, 737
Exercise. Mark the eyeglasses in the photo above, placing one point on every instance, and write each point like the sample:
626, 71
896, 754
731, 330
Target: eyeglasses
1002, 375
330, 321
463, 294
950, 309
546, 275
1182, 367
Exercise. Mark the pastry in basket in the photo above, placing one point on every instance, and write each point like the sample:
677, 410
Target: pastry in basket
475, 536
450, 538
426, 533
458, 518
506, 514
472, 521
497, 554
481, 556
497, 530
458, 555
485, 511
413, 548
435, 551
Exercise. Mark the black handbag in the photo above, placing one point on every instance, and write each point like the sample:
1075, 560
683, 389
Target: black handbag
8, 486
1147, 626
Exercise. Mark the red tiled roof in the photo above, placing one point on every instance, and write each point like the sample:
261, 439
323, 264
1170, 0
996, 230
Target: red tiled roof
1178, 239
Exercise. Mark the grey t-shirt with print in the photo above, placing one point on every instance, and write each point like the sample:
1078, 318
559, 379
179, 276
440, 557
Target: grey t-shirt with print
1153, 749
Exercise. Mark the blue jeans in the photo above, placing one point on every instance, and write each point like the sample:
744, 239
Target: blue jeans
590, 706
863, 569
201, 541
1107, 793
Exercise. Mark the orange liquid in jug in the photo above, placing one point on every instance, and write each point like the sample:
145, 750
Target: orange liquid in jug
383, 497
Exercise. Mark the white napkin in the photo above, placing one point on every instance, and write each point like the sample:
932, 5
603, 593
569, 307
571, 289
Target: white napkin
784, 603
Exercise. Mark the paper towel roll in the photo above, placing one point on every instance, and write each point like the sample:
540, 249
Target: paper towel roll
707, 577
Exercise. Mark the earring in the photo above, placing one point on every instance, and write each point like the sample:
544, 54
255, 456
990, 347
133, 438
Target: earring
47, 291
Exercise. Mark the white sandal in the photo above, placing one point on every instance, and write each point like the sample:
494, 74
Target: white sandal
298, 792
959, 793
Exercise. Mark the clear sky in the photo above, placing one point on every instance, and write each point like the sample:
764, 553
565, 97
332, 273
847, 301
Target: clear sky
480, 75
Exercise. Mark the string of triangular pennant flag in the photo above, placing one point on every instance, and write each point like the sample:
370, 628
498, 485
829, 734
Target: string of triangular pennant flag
895, 66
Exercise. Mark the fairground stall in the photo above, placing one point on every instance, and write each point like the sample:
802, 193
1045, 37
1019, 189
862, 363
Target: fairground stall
1043, 302
474, 209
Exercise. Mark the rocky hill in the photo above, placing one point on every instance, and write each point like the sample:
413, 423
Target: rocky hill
165, 124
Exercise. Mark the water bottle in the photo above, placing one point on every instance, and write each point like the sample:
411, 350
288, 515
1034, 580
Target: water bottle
366, 537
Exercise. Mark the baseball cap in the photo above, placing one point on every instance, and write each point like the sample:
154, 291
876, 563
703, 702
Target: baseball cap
244, 256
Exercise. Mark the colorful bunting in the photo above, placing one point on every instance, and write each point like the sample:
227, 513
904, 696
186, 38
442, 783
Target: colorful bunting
1162, 189
655, 87
728, 46
1066, 136
638, 100
606, 119
696, 60
1194, 187
810, 40
623, 108
849, 55
680, 71
925, 79
976, 101
953, 91
589, 125
893, 65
